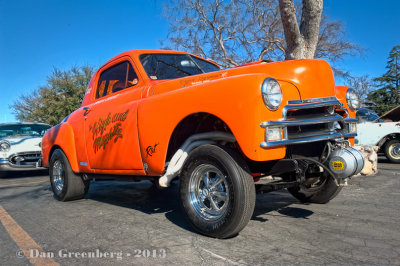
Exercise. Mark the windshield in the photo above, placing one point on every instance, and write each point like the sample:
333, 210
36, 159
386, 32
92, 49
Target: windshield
171, 66
23, 130
366, 115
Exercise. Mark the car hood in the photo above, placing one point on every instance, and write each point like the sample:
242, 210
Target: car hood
313, 78
21, 144
14, 140
393, 115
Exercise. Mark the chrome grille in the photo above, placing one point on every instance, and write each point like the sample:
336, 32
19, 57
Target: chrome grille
25, 158
309, 122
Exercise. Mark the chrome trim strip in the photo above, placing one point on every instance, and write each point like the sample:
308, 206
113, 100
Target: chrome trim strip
298, 141
313, 100
313, 134
286, 108
316, 120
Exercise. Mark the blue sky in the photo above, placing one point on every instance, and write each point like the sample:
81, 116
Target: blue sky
38, 35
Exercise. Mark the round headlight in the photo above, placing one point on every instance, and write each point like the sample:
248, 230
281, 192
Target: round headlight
271, 93
5, 145
353, 101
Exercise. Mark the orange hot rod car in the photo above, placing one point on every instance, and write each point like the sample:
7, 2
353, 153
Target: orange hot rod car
161, 115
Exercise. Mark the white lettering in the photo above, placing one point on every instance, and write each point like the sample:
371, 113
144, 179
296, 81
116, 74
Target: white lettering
62, 253
33, 255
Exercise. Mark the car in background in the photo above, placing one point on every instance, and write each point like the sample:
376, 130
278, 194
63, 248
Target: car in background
382, 131
21, 146
366, 115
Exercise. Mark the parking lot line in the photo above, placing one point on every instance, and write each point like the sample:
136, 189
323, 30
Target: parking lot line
20, 184
23, 240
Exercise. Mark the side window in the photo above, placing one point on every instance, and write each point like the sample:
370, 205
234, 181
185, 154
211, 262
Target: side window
115, 79
132, 77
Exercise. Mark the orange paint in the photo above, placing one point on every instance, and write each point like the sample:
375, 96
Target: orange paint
157, 106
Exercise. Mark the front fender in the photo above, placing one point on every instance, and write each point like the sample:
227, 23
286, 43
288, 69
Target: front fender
235, 100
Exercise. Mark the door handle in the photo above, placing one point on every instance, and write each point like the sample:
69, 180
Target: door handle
87, 110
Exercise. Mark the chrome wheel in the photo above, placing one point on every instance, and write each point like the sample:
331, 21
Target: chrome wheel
394, 150
208, 191
58, 177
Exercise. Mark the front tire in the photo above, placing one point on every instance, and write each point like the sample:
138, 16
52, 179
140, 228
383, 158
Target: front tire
65, 183
392, 151
217, 191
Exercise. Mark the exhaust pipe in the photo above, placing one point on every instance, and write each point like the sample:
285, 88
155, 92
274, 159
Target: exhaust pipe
345, 162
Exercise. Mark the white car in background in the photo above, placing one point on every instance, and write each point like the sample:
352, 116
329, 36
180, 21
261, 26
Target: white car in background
383, 131
20, 146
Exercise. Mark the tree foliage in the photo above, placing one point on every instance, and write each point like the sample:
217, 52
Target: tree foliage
62, 94
387, 96
234, 32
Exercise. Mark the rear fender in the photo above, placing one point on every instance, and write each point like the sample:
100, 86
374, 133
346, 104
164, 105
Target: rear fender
61, 136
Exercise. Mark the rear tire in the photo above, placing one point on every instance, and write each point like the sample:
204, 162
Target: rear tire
65, 183
392, 150
217, 191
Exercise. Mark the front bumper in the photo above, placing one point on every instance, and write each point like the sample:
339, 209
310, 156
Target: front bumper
309, 122
6, 165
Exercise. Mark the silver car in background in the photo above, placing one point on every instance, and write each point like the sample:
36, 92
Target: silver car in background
20, 146
383, 131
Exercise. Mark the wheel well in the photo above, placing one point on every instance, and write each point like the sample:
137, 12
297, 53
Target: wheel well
387, 138
55, 147
194, 124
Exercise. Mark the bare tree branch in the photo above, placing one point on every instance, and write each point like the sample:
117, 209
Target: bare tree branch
234, 32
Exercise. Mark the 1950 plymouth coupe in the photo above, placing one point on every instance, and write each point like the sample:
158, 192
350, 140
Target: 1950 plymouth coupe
161, 115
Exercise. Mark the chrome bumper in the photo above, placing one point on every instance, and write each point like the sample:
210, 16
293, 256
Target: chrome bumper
5, 165
314, 136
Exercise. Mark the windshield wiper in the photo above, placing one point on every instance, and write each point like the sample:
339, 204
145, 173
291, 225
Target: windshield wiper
191, 58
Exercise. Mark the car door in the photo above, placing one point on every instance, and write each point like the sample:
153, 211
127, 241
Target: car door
111, 130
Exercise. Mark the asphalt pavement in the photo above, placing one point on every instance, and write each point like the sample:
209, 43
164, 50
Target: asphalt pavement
134, 223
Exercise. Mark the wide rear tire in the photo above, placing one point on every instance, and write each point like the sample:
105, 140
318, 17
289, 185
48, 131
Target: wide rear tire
65, 183
217, 191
